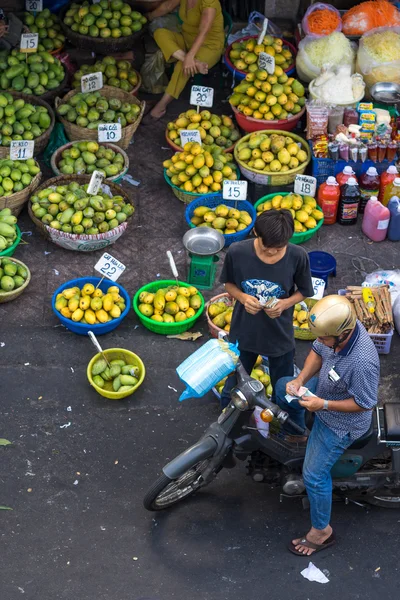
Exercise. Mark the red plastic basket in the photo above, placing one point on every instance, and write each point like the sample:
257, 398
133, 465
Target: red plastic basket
241, 74
248, 124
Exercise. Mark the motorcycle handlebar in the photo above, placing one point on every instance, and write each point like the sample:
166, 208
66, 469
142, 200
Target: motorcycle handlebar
297, 428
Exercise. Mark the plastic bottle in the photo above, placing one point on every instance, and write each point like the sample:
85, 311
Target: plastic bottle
345, 175
394, 225
387, 177
376, 220
392, 189
349, 202
328, 200
369, 186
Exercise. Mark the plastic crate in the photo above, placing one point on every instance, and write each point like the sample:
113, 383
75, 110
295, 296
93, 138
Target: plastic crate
322, 168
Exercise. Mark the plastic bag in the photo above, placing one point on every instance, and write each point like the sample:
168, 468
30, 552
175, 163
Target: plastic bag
317, 52
320, 6
371, 68
390, 278
170, 22
57, 139
254, 27
203, 369
396, 314
154, 79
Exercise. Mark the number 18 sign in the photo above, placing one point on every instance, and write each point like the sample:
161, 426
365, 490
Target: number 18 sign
109, 267
305, 185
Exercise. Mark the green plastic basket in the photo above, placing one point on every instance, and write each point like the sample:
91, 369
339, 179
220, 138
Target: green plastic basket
165, 328
297, 238
10, 251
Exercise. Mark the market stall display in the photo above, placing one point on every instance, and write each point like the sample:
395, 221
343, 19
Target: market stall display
321, 19
368, 15
241, 56
300, 319
47, 25
219, 312
39, 74
378, 57
18, 179
338, 86
214, 129
14, 278
86, 156
315, 52
116, 73
118, 379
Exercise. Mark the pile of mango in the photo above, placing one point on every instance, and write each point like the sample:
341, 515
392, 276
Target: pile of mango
269, 97
70, 209
117, 73
118, 377
222, 218
244, 54
47, 25
300, 316
213, 129
16, 175
89, 109
104, 19
221, 314
86, 157
198, 170
20, 120
90, 305
30, 73
304, 210
8, 232
173, 304
271, 153
12, 275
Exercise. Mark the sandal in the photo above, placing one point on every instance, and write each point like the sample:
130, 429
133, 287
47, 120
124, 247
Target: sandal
316, 547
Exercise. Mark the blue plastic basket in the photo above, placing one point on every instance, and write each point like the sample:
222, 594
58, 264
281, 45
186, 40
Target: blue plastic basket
82, 328
215, 201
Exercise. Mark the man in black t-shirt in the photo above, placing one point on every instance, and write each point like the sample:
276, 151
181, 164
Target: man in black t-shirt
267, 277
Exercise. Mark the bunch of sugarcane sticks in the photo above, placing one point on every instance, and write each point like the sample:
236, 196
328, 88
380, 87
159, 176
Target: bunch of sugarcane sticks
381, 320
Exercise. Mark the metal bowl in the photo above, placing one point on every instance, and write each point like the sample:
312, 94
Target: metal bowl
386, 92
203, 241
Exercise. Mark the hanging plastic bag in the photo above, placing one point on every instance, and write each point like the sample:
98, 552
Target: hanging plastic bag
310, 28
317, 52
154, 79
203, 369
254, 27
378, 57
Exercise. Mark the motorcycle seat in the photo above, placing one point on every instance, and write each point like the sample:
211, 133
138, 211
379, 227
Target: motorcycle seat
363, 440
392, 421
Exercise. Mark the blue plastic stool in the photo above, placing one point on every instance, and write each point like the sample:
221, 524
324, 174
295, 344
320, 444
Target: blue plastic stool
322, 265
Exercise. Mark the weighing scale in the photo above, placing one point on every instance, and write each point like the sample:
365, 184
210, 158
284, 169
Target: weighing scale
203, 245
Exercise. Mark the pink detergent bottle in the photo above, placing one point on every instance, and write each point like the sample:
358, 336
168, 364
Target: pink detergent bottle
376, 220
394, 226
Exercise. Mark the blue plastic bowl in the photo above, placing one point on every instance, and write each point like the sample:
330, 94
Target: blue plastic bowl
213, 202
82, 328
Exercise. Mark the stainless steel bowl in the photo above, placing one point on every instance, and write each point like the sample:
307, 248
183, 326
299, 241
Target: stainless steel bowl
203, 241
386, 92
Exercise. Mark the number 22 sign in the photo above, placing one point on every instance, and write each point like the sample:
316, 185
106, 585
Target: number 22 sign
109, 267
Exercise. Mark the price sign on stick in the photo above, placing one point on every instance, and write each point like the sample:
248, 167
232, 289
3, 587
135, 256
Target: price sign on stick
263, 32
109, 267
21, 149
266, 62
190, 135
305, 185
92, 82
234, 190
109, 132
34, 5
319, 287
29, 42
95, 183
202, 96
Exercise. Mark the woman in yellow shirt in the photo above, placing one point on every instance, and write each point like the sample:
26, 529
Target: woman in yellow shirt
195, 50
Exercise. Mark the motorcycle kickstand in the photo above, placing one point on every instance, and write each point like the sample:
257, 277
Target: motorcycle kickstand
348, 501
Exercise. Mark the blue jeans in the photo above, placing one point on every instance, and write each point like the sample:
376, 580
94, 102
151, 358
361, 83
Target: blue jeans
324, 448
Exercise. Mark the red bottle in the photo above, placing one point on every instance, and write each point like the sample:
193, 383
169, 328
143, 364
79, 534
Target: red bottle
387, 177
328, 200
369, 187
345, 175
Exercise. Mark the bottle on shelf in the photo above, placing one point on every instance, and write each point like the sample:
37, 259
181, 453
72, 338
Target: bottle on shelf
369, 186
376, 220
345, 175
349, 202
392, 189
394, 225
328, 200
387, 177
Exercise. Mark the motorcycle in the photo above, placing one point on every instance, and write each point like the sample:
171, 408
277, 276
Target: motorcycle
368, 471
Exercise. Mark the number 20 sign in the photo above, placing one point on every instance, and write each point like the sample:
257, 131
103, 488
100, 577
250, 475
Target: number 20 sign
201, 96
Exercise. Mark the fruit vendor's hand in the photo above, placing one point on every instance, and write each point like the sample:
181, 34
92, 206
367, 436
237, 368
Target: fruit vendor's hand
312, 403
277, 310
189, 65
251, 304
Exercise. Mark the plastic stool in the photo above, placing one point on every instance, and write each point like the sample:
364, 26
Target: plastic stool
322, 265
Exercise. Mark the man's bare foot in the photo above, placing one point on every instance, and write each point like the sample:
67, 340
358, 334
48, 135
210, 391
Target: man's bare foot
316, 536
202, 67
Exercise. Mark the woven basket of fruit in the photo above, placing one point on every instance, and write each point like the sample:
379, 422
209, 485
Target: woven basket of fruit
219, 313
19, 179
116, 73
308, 219
86, 156
96, 27
47, 25
15, 277
241, 56
300, 319
10, 233
38, 114
81, 113
214, 130
69, 217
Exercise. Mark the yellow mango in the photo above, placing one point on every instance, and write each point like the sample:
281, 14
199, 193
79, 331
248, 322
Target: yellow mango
61, 303
157, 317
168, 318
77, 314
88, 289
192, 290
96, 304
69, 293
170, 296
113, 289
66, 312
108, 302
159, 301
84, 302
195, 301
97, 293
73, 303
182, 302
115, 296
184, 291
148, 299
102, 316
59, 296
115, 312
190, 313
90, 317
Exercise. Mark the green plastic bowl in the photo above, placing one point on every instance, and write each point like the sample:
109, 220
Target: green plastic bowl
10, 251
297, 238
165, 328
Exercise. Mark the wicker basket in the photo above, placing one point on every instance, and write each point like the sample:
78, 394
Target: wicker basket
16, 201
9, 296
305, 334
74, 132
52, 94
41, 141
56, 157
137, 87
226, 299
99, 45
180, 149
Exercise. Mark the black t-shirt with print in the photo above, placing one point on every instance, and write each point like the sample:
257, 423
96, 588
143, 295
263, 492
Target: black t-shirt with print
242, 267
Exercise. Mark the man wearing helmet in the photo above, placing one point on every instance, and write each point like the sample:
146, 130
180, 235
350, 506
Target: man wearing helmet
343, 396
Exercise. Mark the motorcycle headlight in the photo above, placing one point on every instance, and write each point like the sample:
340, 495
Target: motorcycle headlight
239, 400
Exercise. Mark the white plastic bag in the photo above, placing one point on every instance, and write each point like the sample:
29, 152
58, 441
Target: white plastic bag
316, 52
254, 27
373, 70
390, 278
320, 6
396, 313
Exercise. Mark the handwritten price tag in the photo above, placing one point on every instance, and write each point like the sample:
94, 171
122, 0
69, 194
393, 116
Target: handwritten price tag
21, 149
109, 132
266, 62
234, 190
110, 267
305, 185
319, 288
29, 42
190, 135
34, 5
201, 96
92, 82
95, 183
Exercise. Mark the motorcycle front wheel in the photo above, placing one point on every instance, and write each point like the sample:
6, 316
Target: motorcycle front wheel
384, 501
166, 492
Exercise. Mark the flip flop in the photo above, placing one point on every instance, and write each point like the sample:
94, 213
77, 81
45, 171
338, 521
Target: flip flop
316, 547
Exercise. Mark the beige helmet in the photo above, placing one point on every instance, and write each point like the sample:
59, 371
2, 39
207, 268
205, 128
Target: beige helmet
331, 316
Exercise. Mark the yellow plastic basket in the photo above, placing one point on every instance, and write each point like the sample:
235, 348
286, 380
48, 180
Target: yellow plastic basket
117, 354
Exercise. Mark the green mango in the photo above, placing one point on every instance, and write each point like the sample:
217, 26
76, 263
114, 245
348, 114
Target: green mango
89, 158
18, 83
15, 71
33, 80
99, 366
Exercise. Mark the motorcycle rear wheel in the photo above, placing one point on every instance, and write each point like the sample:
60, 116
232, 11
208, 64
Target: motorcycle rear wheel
166, 492
384, 501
